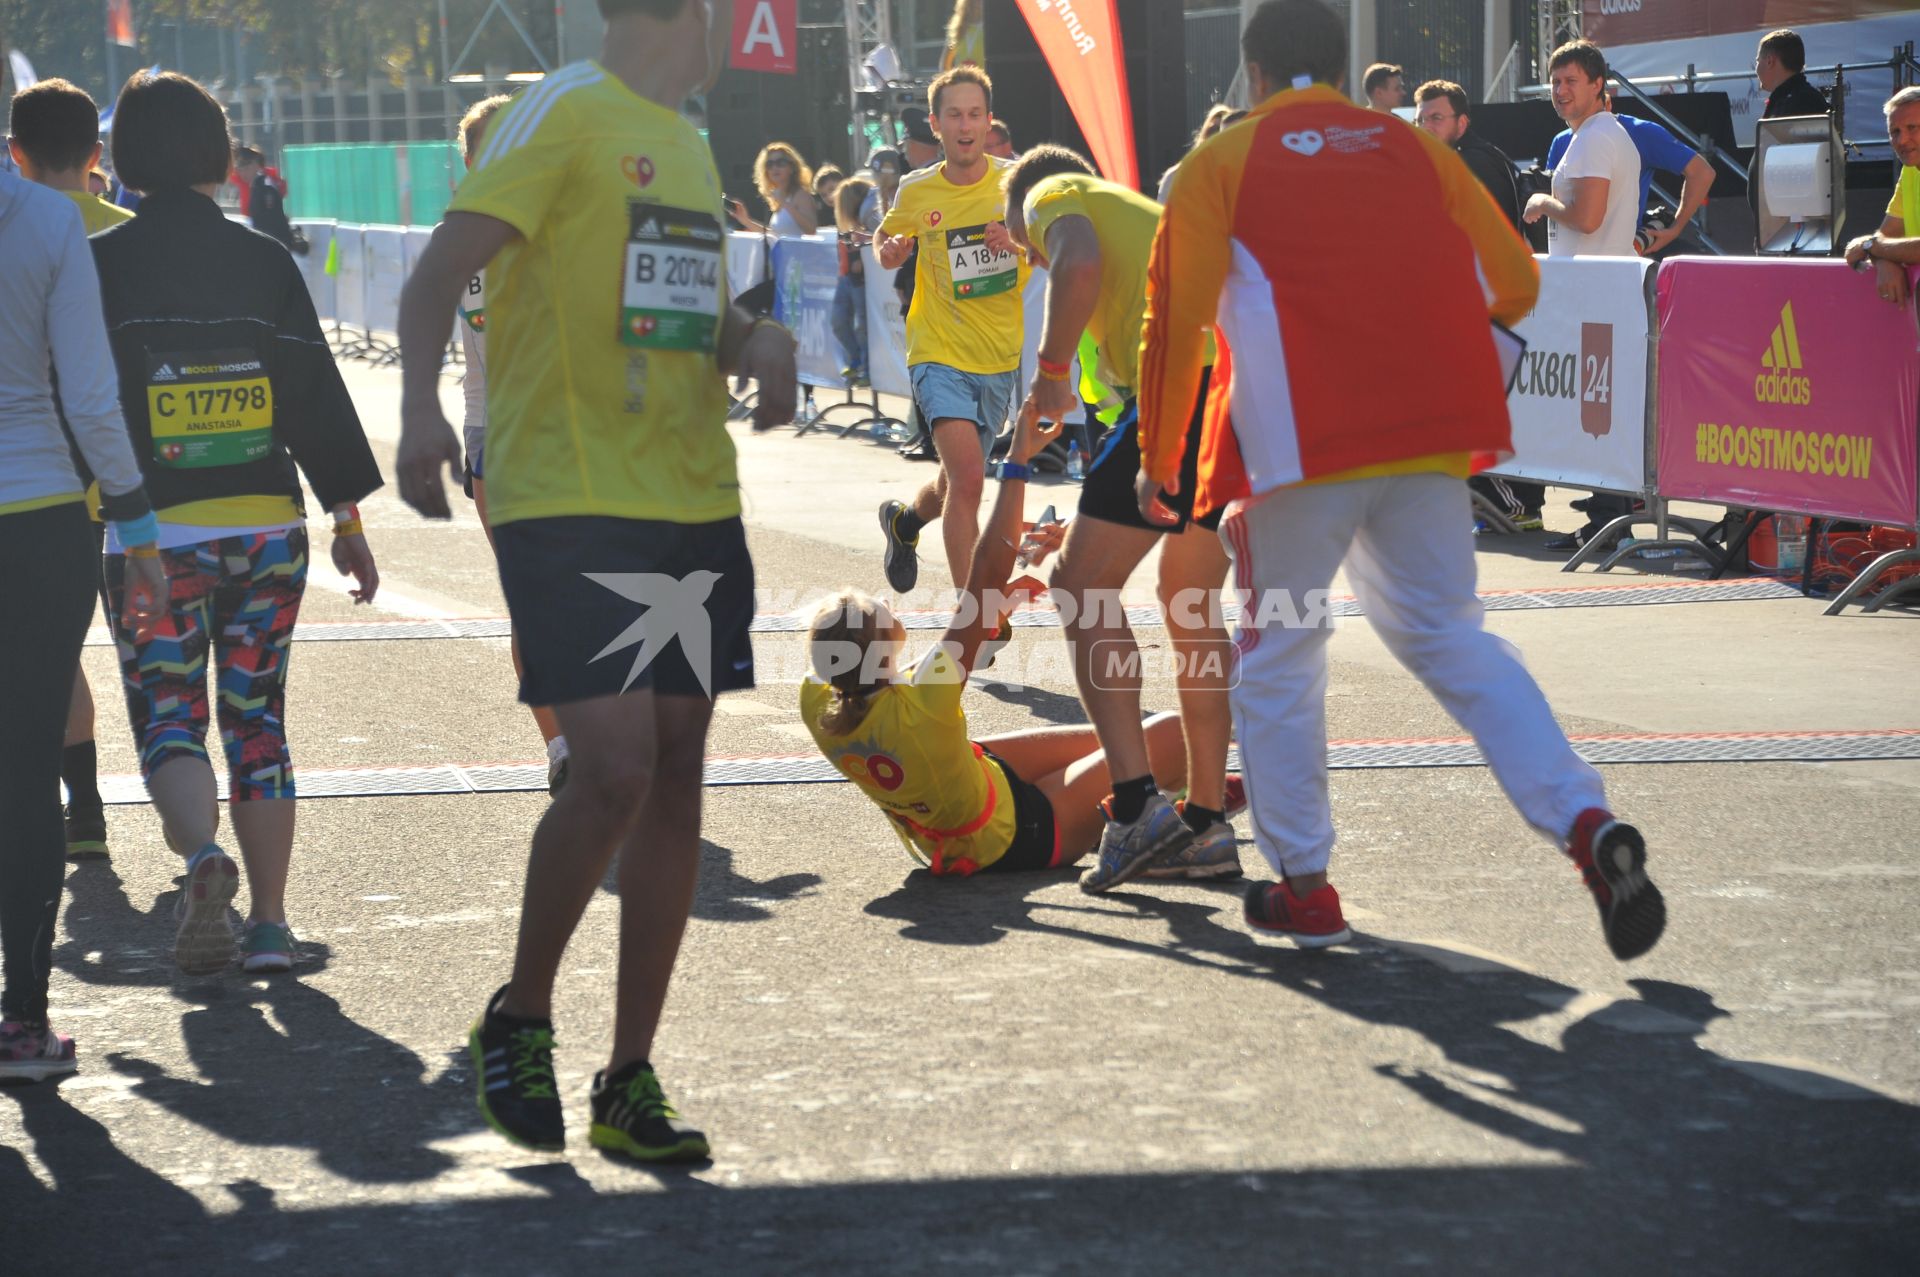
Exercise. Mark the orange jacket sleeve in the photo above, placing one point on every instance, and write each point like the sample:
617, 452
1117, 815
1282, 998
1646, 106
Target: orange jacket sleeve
1508, 272
1192, 254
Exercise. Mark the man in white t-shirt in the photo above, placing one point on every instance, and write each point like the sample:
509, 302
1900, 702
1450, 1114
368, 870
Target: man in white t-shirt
1595, 206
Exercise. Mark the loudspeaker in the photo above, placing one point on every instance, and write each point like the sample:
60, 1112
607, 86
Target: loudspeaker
1028, 98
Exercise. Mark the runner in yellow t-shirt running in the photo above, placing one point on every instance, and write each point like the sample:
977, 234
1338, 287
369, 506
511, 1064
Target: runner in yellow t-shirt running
965, 326
595, 211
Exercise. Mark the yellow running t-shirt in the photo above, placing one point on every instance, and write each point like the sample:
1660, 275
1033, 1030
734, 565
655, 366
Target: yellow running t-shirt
912, 756
1125, 222
967, 311
604, 393
95, 213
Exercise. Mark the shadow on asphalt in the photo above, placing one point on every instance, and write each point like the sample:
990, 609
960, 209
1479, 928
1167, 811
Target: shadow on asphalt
108, 940
270, 1069
1660, 1155
724, 894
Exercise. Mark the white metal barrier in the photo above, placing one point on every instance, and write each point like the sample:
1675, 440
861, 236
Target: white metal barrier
1582, 403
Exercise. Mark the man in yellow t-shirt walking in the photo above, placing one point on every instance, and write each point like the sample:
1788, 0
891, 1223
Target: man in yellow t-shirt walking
615, 505
965, 326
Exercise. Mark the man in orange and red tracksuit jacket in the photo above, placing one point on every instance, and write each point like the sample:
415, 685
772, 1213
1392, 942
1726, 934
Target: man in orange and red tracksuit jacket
1286, 234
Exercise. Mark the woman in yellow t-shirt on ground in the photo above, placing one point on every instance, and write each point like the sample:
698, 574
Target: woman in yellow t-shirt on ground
1024, 801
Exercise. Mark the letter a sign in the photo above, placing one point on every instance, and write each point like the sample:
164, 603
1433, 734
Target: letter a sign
764, 35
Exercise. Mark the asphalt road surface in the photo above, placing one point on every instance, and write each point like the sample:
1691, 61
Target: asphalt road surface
1005, 1076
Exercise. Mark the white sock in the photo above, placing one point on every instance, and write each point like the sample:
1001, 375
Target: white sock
556, 750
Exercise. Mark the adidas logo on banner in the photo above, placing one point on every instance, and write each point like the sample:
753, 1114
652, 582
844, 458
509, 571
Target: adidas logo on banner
1778, 383
166, 373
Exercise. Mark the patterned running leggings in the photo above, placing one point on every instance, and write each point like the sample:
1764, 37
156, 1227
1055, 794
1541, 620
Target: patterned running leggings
234, 603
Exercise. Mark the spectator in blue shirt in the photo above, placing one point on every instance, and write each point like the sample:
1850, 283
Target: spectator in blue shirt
1659, 149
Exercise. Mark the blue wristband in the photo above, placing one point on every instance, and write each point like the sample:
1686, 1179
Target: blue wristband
138, 531
1014, 470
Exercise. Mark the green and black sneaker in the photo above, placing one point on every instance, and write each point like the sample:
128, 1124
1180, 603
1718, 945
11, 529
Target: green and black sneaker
513, 1078
633, 1118
86, 833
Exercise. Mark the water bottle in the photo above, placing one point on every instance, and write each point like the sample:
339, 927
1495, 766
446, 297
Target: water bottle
1076, 465
1790, 535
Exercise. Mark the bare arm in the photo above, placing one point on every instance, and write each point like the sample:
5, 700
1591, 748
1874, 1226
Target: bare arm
1583, 213
1073, 292
461, 248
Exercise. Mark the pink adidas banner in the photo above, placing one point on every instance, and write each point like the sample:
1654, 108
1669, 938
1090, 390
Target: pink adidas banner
1787, 386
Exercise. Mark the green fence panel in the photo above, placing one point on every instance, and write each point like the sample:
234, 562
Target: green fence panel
387, 184
435, 169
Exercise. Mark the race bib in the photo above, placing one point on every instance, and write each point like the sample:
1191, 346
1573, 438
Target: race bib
671, 293
978, 271
209, 408
473, 306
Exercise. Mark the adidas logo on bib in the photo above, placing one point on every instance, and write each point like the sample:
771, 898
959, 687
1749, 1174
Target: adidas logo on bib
166, 373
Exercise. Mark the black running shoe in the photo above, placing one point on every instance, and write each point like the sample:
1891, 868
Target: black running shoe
632, 1117
903, 557
86, 833
1612, 857
513, 1078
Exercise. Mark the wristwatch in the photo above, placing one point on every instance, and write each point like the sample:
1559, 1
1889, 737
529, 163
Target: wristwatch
1868, 243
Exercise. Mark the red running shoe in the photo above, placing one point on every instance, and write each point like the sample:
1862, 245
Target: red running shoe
1612, 858
1313, 923
1236, 800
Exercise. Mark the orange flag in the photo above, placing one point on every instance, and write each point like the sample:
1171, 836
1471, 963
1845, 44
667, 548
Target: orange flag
1081, 40
120, 23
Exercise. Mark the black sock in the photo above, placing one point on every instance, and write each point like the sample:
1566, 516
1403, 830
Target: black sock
80, 768
908, 524
1130, 797
1201, 819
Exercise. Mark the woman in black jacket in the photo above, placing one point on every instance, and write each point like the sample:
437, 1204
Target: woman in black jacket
227, 385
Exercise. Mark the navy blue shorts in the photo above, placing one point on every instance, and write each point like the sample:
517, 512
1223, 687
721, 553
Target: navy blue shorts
578, 587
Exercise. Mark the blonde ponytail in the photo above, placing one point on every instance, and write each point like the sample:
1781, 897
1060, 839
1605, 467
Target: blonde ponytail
842, 638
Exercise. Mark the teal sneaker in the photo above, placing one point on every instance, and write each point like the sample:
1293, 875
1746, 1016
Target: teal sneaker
267, 946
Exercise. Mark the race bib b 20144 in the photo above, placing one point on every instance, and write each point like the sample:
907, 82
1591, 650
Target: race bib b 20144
209, 408
978, 271
674, 281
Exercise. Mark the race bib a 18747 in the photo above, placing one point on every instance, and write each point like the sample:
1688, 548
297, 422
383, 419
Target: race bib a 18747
209, 408
671, 292
978, 271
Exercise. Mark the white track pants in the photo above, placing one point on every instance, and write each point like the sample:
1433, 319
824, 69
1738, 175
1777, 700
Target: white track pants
1407, 542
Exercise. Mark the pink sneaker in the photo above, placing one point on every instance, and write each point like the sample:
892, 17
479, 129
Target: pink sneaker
34, 1053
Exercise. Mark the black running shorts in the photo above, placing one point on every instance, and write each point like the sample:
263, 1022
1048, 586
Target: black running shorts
577, 586
1036, 840
1108, 492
